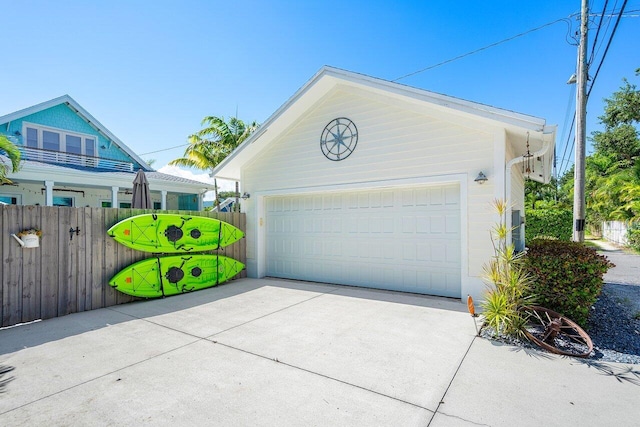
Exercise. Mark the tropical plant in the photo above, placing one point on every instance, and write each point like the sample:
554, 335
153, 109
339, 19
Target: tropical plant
214, 142
612, 183
13, 154
543, 196
620, 137
508, 283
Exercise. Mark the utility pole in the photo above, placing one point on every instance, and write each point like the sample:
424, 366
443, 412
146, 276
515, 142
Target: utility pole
581, 129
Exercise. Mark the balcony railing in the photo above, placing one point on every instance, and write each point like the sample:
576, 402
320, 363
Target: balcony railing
74, 160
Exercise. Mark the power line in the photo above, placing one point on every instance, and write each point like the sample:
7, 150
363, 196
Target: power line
567, 158
595, 39
570, 111
164, 149
604, 55
481, 49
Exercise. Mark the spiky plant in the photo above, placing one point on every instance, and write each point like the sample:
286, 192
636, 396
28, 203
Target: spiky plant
4, 381
508, 285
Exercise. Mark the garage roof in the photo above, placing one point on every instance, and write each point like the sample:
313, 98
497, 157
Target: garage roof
329, 77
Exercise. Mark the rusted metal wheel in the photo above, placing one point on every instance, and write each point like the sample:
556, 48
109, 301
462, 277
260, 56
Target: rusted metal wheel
556, 333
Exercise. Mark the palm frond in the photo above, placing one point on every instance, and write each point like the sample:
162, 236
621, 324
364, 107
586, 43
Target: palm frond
13, 153
209, 146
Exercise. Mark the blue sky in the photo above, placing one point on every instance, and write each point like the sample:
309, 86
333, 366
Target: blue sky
151, 70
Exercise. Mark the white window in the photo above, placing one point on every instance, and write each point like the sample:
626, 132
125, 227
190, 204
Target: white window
63, 141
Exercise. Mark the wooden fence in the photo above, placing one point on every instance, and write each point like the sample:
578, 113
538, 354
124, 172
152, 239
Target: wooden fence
69, 273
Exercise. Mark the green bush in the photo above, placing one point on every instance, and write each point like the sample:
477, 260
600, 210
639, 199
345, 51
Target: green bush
567, 276
633, 236
557, 223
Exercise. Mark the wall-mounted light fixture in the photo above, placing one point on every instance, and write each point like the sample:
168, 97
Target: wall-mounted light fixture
17, 133
481, 178
245, 195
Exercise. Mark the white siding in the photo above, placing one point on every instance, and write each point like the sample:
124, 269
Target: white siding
394, 143
398, 143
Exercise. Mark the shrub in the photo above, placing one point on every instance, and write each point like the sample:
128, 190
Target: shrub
556, 223
567, 276
633, 236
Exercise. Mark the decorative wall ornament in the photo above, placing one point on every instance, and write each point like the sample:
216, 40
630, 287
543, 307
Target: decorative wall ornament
339, 138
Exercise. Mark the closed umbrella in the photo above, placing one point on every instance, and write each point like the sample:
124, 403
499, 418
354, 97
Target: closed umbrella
141, 198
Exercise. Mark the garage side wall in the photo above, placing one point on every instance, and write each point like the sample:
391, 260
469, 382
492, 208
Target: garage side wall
395, 145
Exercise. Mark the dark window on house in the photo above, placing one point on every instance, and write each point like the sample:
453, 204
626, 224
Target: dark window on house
32, 138
50, 140
63, 141
74, 144
63, 201
8, 200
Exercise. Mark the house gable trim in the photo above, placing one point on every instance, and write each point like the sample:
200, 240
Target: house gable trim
82, 113
327, 78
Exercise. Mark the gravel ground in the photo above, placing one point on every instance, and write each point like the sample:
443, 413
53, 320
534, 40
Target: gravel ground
614, 324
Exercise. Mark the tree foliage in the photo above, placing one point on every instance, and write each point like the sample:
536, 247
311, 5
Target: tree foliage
612, 172
623, 107
544, 196
11, 151
214, 142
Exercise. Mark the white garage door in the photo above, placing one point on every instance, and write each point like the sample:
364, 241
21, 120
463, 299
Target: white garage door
398, 239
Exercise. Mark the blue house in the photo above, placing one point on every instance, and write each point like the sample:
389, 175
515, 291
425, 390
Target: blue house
70, 159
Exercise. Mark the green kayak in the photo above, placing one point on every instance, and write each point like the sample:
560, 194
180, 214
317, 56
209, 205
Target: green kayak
172, 233
175, 274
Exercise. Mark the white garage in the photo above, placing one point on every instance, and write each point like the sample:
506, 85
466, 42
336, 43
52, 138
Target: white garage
406, 240
364, 182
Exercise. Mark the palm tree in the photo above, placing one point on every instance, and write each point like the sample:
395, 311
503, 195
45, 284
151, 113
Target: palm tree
211, 145
11, 151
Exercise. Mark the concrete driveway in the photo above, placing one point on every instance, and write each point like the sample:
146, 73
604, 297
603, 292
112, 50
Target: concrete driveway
271, 352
